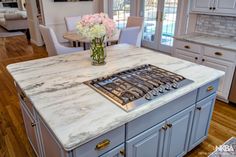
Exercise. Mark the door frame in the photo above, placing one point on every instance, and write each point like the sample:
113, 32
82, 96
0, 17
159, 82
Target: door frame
156, 44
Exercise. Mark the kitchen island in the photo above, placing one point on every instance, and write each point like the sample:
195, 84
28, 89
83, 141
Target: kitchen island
64, 117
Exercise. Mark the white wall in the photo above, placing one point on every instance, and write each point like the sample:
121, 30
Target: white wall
54, 13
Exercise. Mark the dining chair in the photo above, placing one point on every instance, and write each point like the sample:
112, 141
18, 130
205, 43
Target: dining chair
53, 47
135, 21
71, 22
130, 36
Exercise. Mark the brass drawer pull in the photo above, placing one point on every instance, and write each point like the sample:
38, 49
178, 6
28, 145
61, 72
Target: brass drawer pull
102, 145
122, 152
187, 47
218, 54
210, 88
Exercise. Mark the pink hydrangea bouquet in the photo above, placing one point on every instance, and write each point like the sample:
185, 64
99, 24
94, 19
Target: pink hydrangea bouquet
96, 28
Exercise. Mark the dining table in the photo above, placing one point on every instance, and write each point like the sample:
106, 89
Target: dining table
77, 39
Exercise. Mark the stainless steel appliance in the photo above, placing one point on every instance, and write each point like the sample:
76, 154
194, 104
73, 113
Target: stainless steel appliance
232, 95
132, 88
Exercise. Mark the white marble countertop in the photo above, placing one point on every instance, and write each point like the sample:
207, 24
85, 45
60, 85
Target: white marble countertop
210, 40
75, 112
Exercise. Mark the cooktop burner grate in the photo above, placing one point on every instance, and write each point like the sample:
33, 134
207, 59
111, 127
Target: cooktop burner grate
132, 88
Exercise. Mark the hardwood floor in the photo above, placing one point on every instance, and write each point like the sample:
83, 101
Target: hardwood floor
13, 140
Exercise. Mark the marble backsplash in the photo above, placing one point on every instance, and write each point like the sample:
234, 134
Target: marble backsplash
216, 25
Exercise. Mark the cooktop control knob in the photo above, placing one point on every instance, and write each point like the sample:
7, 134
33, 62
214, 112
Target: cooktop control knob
161, 90
168, 87
175, 85
154, 92
148, 96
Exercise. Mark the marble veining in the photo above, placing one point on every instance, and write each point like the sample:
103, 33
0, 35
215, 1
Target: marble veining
210, 40
76, 113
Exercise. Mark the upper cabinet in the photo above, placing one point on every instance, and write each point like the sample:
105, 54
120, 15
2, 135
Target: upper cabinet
214, 7
225, 6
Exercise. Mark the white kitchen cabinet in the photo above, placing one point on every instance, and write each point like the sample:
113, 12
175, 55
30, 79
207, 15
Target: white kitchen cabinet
186, 55
225, 6
214, 7
225, 81
205, 6
213, 57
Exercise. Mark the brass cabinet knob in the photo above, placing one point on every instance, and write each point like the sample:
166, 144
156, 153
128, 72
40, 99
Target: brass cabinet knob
210, 88
122, 152
199, 108
102, 145
169, 125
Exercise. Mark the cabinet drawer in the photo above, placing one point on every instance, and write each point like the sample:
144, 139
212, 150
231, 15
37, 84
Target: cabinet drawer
187, 46
207, 89
102, 144
220, 53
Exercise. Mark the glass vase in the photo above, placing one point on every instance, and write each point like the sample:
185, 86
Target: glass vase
97, 50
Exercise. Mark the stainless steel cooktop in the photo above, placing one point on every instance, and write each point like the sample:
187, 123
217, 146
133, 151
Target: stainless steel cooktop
137, 86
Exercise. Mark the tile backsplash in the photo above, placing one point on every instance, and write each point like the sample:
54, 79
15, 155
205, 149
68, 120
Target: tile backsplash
216, 25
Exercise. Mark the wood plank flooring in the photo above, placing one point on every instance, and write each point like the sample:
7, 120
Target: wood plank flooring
13, 139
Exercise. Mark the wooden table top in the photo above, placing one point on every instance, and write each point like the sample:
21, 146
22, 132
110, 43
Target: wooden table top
74, 36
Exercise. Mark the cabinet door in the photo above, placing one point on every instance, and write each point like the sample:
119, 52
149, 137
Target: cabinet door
30, 127
225, 6
116, 152
201, 120
147, 144
202, 5
226, 80
50, 146
178, 133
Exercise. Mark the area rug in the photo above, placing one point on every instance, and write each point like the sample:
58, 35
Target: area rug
4, 33
228, 149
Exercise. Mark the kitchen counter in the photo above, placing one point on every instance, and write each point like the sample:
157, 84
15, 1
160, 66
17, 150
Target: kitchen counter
210, 40
74, 112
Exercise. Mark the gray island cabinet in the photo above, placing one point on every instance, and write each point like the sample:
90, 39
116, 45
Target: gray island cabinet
62, 120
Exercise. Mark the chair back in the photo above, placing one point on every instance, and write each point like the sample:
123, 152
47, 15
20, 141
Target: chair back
50, 40
71, 22
130, 36
134, 21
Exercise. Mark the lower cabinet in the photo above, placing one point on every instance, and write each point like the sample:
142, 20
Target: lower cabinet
167, 139
149, 143
178, 133
31, 130
201, 122
116, 152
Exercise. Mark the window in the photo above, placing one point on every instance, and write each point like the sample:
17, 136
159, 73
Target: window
169, 21
121, 10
